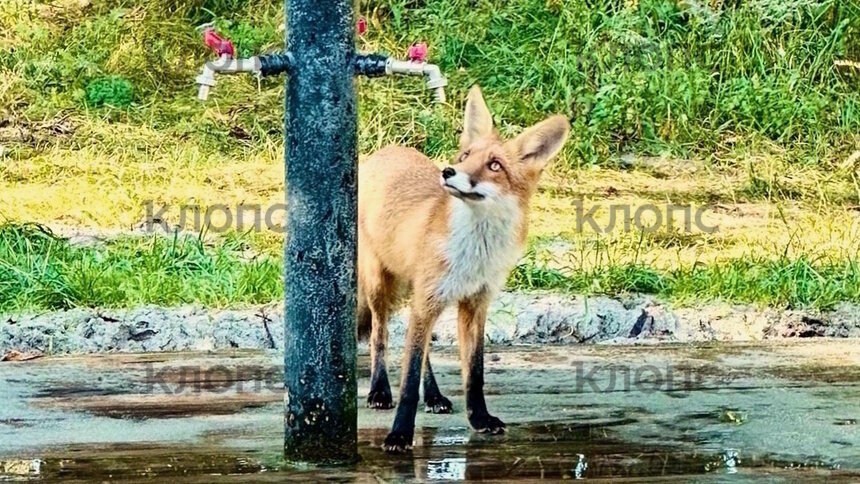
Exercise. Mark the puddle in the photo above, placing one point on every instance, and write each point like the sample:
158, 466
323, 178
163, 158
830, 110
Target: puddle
551, 451
572, 413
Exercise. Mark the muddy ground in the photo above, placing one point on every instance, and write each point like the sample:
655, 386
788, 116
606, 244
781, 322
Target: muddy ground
515, 318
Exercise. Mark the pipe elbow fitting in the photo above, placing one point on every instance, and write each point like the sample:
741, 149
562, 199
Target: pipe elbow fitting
436, 81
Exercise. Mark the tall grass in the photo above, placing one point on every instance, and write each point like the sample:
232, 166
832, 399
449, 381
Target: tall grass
683, 77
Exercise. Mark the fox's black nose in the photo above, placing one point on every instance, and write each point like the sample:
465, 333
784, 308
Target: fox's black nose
448, 172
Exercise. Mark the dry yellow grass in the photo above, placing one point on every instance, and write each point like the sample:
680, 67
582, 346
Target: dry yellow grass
103, 188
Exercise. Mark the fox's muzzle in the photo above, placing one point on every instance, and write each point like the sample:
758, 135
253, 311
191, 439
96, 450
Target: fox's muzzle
458, 184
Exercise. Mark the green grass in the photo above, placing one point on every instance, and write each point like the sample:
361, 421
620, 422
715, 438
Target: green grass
40, 271
650, 76
785, 282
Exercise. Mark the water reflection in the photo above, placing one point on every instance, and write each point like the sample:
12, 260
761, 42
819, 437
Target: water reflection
581, 467
548, 451
448, 469
451, 436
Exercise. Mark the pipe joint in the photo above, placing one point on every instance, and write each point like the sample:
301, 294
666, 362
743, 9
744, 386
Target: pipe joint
272, 64
370, 65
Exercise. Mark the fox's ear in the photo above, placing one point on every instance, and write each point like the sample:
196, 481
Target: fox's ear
539, 144
477, 122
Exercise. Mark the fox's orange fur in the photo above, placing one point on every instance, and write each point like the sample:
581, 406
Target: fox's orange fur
446, 238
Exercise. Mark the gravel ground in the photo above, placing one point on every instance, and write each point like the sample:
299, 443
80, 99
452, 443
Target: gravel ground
515, 318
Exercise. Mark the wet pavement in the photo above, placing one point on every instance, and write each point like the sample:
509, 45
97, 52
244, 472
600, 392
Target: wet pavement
780, 411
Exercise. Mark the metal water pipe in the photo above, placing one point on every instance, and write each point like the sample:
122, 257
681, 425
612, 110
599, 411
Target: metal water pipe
320, 401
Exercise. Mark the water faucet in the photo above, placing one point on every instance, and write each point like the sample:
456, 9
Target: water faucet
225, 64
371, 65
375, 65
435, 79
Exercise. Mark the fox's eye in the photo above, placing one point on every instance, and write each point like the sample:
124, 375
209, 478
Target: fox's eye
494, 165
463, 156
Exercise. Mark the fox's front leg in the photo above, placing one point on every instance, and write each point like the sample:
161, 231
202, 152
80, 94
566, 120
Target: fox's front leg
424, 313
471, 320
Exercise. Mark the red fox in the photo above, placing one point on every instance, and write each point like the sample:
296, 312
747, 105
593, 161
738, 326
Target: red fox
448, 237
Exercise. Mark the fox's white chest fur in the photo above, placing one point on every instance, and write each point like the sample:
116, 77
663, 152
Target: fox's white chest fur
481, 249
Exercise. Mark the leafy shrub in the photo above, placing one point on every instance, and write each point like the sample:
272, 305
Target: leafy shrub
115, 91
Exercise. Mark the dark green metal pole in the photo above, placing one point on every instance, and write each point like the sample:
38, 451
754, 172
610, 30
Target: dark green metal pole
320, 250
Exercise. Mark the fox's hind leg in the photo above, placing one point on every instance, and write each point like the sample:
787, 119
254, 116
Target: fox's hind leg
424, 312
380, 293
434, 401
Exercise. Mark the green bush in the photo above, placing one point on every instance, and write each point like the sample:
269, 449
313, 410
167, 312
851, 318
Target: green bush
113, 91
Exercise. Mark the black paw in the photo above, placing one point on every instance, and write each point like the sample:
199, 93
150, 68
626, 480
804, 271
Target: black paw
487, 424
438, 404
397, 443
380, 400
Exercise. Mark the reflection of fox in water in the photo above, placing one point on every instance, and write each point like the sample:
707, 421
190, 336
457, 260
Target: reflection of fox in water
449, 238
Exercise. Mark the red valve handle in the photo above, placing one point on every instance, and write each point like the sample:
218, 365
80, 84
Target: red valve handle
417, 52
218, 44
